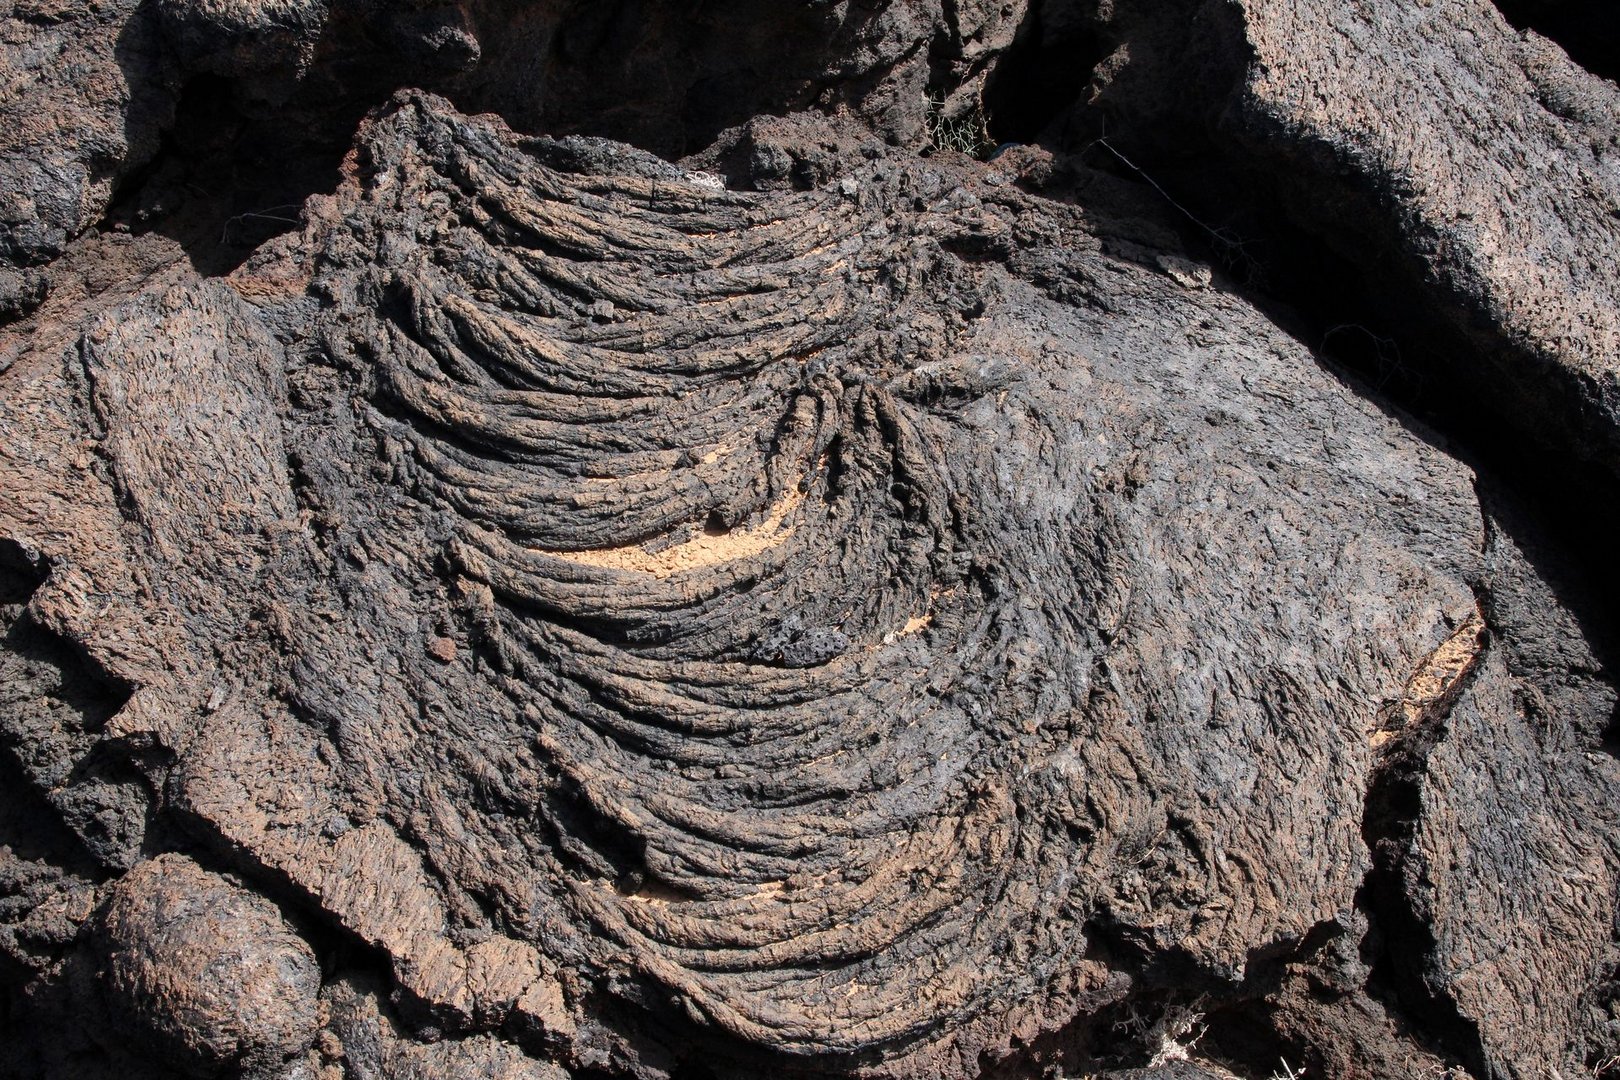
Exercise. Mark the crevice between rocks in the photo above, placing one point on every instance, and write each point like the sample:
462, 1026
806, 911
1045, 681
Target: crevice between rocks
1400, 943
1042, 74
225, 180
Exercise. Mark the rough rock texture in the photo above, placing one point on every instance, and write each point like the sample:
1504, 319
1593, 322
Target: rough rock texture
71, 119
754, 541
370, 1046
203, 973
1431, 144
88, 87
810, 609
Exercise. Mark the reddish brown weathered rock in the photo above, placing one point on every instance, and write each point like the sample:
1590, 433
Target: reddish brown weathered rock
203, 974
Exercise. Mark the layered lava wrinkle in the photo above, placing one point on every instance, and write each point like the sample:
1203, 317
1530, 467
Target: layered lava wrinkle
712, 534
841, 607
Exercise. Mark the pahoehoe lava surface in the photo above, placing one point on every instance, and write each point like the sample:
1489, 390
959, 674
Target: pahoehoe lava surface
557, 612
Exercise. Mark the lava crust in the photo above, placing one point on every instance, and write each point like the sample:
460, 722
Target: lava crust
556, 613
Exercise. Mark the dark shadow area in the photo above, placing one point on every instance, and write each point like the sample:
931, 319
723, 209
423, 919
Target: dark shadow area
1588, 30
31, 830
242, 151
225, 179
667, 78
21, 575
1043, 73
1244, 1035
54, 703
34, 834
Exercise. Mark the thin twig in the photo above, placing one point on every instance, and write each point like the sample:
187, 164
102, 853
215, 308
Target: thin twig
257, 215
1229, 245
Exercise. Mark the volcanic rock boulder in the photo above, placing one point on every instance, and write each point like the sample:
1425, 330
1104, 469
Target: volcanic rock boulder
71, 120
882, 630
208, 975
1450, 156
